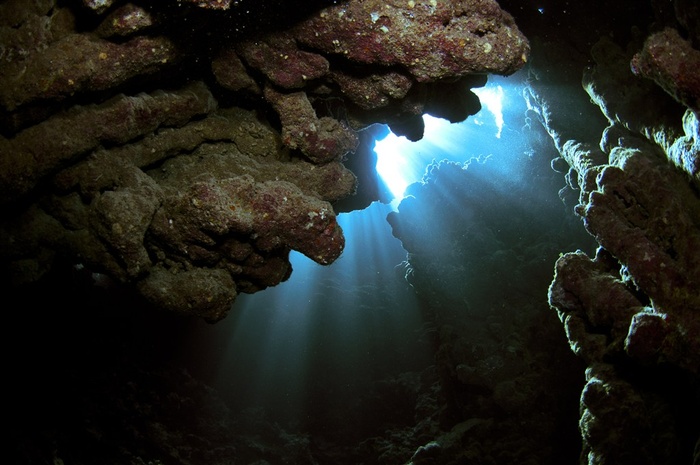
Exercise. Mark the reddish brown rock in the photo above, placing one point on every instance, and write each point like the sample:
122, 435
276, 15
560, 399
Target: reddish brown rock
152, 189
79, 63
276, 214
432, 40
232, 74
643, 215
586, 293
320, 139
372, 91
125, 21
40, 150
29, 27
206, 293
632, 311
672, 63
281, 61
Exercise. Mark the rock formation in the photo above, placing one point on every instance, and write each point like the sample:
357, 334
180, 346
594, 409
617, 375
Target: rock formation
631, 311
620, 106
183, 149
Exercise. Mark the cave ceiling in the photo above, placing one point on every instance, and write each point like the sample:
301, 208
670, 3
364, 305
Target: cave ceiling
183, 148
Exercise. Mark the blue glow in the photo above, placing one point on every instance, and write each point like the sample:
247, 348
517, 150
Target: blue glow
401, 162
492, 99
328, 330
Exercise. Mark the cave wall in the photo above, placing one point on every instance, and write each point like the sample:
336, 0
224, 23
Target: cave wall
618, 97
631, 311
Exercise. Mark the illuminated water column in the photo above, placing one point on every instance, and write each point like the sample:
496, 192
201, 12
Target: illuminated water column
401, 162
310, 345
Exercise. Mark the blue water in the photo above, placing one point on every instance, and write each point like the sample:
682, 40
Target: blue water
328, 333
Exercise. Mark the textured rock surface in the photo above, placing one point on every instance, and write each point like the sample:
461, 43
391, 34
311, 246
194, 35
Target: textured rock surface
432, 40
671, 62
632, 311
183, 149
178, 150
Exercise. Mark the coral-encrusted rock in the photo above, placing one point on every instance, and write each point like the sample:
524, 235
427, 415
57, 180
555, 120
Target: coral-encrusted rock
131, 221
320, 139
623, 425
231, 73
632, 312
206, 293
646, 216
79, 63
672, 63
276, 213
125, 21
120, 219
587, 294
28, 27
41, 150
373, 90
433, 40
413, 43
157, 187
645, 107
279, 58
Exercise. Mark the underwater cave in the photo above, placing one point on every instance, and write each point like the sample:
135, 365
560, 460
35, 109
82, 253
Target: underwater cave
351, 232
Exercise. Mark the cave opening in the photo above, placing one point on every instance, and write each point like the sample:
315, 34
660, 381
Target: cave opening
401, 162
310, 353
471, 318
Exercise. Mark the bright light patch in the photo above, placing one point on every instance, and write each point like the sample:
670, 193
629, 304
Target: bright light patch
401, 162
391, 164
492, 99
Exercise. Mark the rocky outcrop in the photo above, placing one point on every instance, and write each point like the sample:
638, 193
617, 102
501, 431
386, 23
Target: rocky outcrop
632, 311
183, 150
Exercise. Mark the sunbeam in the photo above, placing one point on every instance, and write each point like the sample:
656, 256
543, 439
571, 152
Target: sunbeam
328, 332
401, 162
491, 98
331, 333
